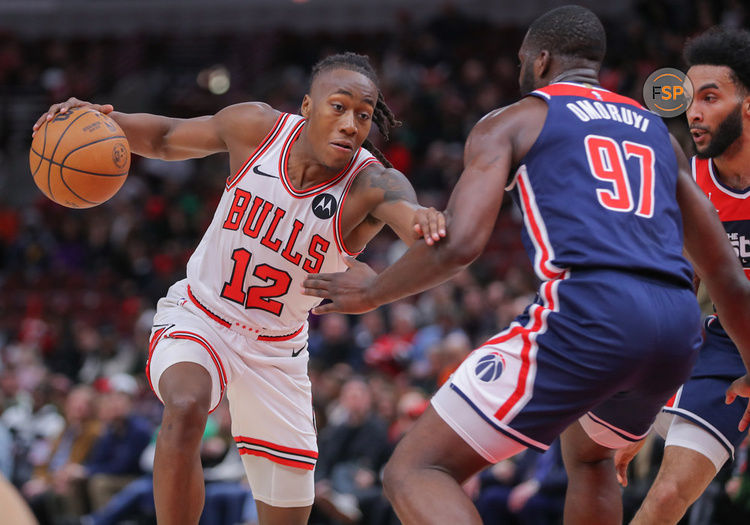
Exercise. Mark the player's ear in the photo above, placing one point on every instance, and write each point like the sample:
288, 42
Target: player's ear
306, 105
542, 63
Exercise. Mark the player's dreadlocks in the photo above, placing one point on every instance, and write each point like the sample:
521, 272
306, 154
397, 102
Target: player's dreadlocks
382, 116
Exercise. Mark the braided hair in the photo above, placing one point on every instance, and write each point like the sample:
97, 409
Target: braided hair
382, 116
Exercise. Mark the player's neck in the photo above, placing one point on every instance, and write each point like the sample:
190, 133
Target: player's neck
302, 167
732, 165
580, 75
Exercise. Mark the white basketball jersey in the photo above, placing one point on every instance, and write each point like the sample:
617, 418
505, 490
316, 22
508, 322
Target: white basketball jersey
266, 237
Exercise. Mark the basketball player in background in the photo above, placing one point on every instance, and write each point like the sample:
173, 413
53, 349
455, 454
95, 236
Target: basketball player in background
702, 430
304, 195
615, 330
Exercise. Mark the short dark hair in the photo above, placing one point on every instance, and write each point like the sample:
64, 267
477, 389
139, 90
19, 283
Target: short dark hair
570, 30
383, 117
722, 47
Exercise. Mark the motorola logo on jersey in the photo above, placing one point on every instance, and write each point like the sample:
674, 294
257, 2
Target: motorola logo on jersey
324, 206
490, 367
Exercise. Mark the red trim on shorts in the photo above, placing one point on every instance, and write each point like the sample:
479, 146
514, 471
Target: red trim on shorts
249, 446
276, 459
671, 401
281, 337
190, 336
574, 90
155, 337
206, 311
311, 454
539, 323
264, 144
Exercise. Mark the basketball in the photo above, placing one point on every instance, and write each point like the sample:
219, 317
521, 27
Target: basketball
80, 158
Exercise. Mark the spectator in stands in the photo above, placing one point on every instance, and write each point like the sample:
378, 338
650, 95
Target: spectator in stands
55, 488
351, 455
114, 459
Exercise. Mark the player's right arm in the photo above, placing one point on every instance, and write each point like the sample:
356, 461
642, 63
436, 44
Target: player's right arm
160, 137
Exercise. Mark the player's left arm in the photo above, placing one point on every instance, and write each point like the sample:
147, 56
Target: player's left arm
471, 214
395, 203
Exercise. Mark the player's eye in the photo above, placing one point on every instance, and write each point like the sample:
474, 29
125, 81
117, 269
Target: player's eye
364, 116
337, 106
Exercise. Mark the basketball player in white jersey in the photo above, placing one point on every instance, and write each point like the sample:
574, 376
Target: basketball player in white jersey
304, 196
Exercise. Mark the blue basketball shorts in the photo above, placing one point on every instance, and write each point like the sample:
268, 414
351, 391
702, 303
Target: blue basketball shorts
701, 399
604, 347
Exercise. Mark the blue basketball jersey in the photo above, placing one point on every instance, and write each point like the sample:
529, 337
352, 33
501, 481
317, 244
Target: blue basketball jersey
598, 188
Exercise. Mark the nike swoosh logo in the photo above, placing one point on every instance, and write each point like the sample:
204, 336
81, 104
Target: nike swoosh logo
295, 354
257, 171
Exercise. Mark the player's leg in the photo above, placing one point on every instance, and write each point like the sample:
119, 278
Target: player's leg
269, 515
273, 427
185, 389
692, 458
593, 495
433, 460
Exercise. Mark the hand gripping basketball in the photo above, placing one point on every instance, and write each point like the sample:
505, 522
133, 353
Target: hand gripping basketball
79, 157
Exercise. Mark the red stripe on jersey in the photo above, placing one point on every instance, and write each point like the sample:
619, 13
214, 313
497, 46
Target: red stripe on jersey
318, 188
280, 337
311, 454
535, 225
206, 311
338, 237
259, 150
276, 459
594, 93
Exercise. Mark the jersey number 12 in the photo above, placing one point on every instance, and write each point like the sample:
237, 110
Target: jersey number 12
260, 297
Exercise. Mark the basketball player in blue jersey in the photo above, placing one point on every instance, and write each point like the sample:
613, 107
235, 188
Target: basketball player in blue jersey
303, 196
604, 191
702, 431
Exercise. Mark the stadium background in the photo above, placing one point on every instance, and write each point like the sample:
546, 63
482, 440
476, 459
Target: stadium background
78, 288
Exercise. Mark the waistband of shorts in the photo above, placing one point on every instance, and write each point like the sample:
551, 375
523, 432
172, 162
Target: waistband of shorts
243, 328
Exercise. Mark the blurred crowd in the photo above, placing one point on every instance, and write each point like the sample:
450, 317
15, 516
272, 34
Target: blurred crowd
78, 288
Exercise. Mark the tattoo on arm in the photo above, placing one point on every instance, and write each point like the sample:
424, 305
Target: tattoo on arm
394, 185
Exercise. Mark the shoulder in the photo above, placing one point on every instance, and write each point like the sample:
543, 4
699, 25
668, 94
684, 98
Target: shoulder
375, 184
516, 126
248, 122
512, 117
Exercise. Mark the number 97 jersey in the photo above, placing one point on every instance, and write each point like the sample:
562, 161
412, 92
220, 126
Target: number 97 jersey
598, 188
266, 236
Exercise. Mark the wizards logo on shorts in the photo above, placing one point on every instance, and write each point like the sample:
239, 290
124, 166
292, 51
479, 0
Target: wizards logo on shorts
490, 367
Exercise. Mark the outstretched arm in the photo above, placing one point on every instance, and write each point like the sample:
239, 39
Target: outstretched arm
169, 138
471, 214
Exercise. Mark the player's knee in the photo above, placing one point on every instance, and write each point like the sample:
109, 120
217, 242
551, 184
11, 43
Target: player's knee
667, 498
186, 413
394, 474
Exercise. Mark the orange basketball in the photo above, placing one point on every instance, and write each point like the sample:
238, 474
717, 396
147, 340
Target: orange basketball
80, 158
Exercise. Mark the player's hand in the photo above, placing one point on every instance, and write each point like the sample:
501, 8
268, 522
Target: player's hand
430, 224
63, 107
623, 457
347, 291
740, 387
